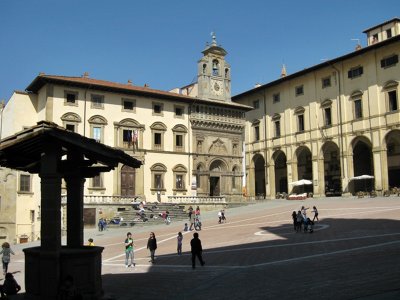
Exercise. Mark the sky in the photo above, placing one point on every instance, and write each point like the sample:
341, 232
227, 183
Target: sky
158, 42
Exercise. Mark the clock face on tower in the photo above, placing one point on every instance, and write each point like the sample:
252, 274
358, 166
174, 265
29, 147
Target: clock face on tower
216, 87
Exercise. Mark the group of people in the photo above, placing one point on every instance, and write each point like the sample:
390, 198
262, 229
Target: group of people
194, 218
195, 244
10, 285
102, 224
301, 221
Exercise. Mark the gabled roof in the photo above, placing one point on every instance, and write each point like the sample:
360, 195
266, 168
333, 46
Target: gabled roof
23, 151
108, 86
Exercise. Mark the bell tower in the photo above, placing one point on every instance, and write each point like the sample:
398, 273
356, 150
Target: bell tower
214, 73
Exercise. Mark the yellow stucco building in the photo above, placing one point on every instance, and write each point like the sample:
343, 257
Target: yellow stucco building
189, 140
329, 123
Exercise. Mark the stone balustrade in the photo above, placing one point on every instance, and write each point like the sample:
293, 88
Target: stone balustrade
196, 200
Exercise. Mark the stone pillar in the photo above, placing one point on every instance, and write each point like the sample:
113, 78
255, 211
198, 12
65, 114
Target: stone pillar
385, 170
75, 185
320, 171
377, 162
271, 191
42, 278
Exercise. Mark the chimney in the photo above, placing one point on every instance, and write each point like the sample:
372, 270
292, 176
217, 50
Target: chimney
146, 85
41, 73
85, 75
129, 82
257, 85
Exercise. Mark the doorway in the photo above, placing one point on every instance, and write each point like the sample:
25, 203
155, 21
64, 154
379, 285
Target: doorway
214, 186
127, 181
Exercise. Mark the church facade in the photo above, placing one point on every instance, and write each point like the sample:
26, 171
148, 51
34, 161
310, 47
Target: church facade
336, 124
190, 144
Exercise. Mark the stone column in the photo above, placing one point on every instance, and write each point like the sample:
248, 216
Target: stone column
271, 190
75, 186
377, 162
47, 272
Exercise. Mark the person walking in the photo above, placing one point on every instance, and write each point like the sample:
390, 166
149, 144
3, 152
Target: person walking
197, 250
315, 211
129, 253
6, 251
223, 218
294, 217
179, 239
152, 246
219, 216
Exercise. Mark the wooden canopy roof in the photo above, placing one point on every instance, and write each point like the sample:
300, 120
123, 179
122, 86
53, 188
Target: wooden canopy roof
23, 151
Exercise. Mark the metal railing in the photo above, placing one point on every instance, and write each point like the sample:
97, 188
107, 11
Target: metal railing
195, 199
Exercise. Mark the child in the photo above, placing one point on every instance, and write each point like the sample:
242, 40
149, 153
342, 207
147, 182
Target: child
6, 251
90, 242
10, 286
129, 250
186, 228
179, 239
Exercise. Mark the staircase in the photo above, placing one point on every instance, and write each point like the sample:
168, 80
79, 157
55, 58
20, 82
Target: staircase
152, 213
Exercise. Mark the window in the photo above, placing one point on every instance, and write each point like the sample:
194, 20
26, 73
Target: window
215, 67
157, 108
158, 181
389, 33
97, 133
157, 139
179, 182
299, 90
328, 116
300, 122
97, 181
256, 104
128, 105
375, 38
358, 109
326, 82
70, 127
392, 97
70, 97
276, 97
256, 133
97, 101
178, 111
389, 61
355, 72
25, 183
277, 128
32, 216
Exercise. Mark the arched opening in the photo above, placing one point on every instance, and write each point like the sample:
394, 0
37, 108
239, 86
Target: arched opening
217, 167
393, 158
304, 168
332, 172
127, 181
362, 165
280, 168
259, 175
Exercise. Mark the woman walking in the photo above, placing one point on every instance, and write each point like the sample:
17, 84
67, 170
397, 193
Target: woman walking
179, 240
152, 245
6, 251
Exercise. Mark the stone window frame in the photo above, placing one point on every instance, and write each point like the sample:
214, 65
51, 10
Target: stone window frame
99, 104
76, 93
179, 170
21, 185
325, 106
389, 61
276, 97
390, 87
326, 82
182, 109
355, 72
158, 169
154, 113
128, 124
256, 104
301, 122
159, 128
357, 97
97, 121
299, 90
181, 130
256, 130
71, 118
276, 119
133, 101
101, 187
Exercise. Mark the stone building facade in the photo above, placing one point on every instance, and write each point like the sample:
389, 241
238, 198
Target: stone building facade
190, 144
330, 123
